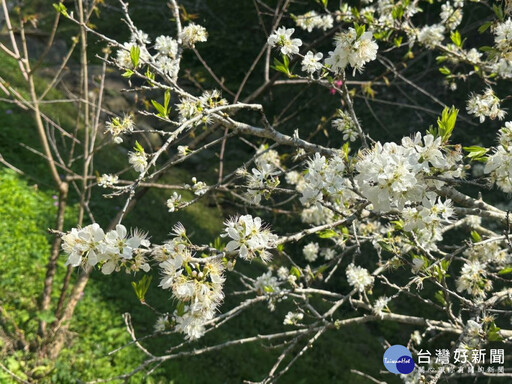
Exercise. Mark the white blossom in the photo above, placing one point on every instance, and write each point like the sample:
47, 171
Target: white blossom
173, 202
107, 181
192, 34
431, 35
311, 62
499, 164
293, 318
167, 46
359, 277
249, 238
282, 39
138, 160
311, 251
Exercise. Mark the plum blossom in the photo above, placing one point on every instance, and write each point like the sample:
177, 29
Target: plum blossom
249, 238
358, 277
352, 49
192, 34
282, 38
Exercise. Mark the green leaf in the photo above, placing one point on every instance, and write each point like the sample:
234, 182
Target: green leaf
476, 236
138, 147
151, 76
141, 287
475, 152
455, 37
505, 271
327, 234
61, 8
167, 99
498, 11
162, 112
445, 70
360, 29
446, 123
493, 333
439, 296
295, 271
484, 27
47, 316
180, 308
283, 66
398, 12
135, 55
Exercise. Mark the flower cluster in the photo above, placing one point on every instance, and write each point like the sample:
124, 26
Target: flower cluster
499, 164
193, 34
485, 105
352, 48
391, 175
262, 181
167, 49
380, 306
312, 20
431, 35
116, 127
426, 221
196, 284
90, 246
489, 252
198, 187
166, 46
451, 17
473, 279
249, 238
189, 108
358, 277
325, 178
345, 124
503, 36
107, 181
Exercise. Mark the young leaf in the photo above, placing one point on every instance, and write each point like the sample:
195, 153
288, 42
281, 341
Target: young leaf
484, 27
295, 271
447, 122
445, 70
455, 37
61, 8
326, 234
135, 55
476, 153
167, 99
162, 112
476, 236
138, 147
128, 73
141, 287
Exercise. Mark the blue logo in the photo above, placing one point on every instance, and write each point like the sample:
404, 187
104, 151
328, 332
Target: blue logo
397, 359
